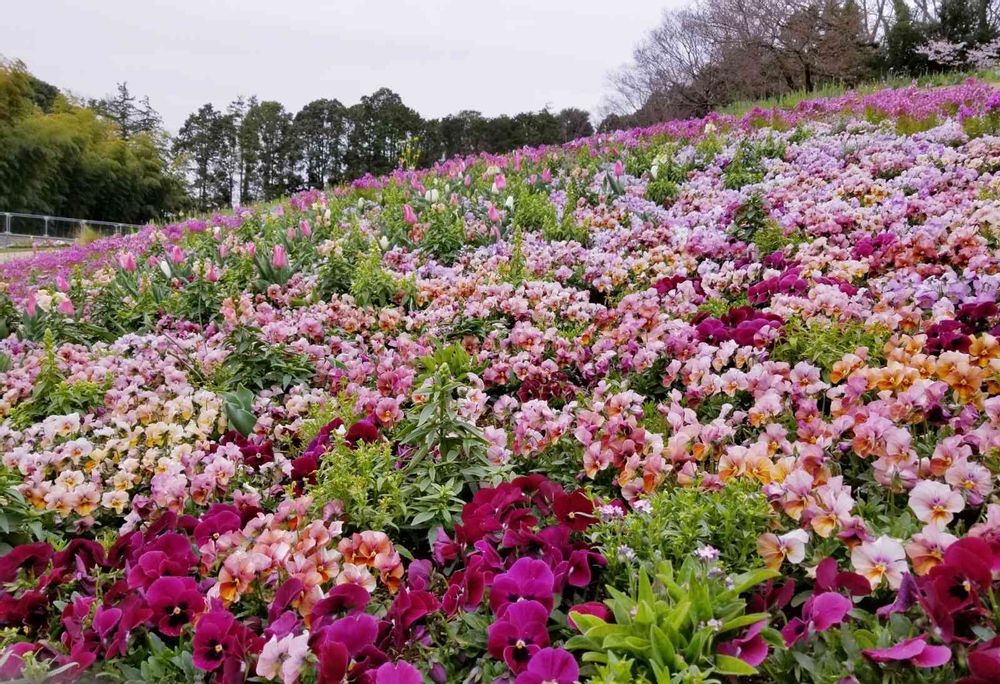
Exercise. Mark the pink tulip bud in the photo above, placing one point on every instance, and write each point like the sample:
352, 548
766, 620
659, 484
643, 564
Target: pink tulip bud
305, 228
127, 262
619, 168
212, 274
291, 234
493, 214
279, 259
223, 251
176, 255
409, 215
30, 306
66, 307
250, 248
61, 283
500, 182
467, 180
546, 176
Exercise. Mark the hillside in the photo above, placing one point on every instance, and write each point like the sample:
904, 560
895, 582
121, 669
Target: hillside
446, 424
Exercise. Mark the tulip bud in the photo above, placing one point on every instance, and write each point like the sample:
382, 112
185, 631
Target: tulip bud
279, 259
127, 262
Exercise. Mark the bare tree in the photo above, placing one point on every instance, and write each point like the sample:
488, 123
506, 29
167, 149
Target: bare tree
721, 50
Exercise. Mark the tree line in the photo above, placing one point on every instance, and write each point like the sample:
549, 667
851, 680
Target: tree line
715, 52
258, 150
110, 158
62, 157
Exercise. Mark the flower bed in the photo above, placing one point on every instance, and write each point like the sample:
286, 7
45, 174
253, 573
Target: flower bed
719, 398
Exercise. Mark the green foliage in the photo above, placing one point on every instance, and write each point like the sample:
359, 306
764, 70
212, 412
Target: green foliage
668, 626
53, 395
9, 316
534, 211
747, 165
445, 234
164, 665
366, 481
238, 407
978, 126
751, 217
772, 238
335, 274
515, 270
682, 519
256, 364
71, 162
372, 285
824, 343
662, 190
907, 125
448, 457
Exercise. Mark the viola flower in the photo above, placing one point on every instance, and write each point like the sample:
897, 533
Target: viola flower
984, 664
400, 673
220, 641
819, 613
550, 666
881, 559
175, 601
576, 510
527, 580
362, 431
751, 647
776, 549
926, 550
518, 634
915, 651
935, 503
283, 658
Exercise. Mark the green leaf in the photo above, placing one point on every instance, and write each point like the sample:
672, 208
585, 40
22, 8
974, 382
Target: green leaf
742, 621
728, 665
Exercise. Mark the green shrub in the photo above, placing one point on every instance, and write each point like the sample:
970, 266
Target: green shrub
747, 164
771, 238
372, 285
662, 190
666, 630
445, 234
751, 217
255, 364
534, 211
53, 395
823, 343
683, 519
366, 481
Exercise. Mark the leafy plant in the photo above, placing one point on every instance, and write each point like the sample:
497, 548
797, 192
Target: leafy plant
534, 211
372, 285
238, 407
670, 626
447, 453
257, 365
53, 395
823, 343
662, 190
365, 479
751, 217
445, 234
681, 520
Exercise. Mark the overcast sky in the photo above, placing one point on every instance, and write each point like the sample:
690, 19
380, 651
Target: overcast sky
441, 56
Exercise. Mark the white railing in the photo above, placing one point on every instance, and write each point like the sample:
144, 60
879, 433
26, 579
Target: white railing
56, 227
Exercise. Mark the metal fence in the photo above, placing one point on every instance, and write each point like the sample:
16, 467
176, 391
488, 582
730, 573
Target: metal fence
57, 227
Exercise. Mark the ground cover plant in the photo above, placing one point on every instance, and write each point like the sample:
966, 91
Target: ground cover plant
716, 399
